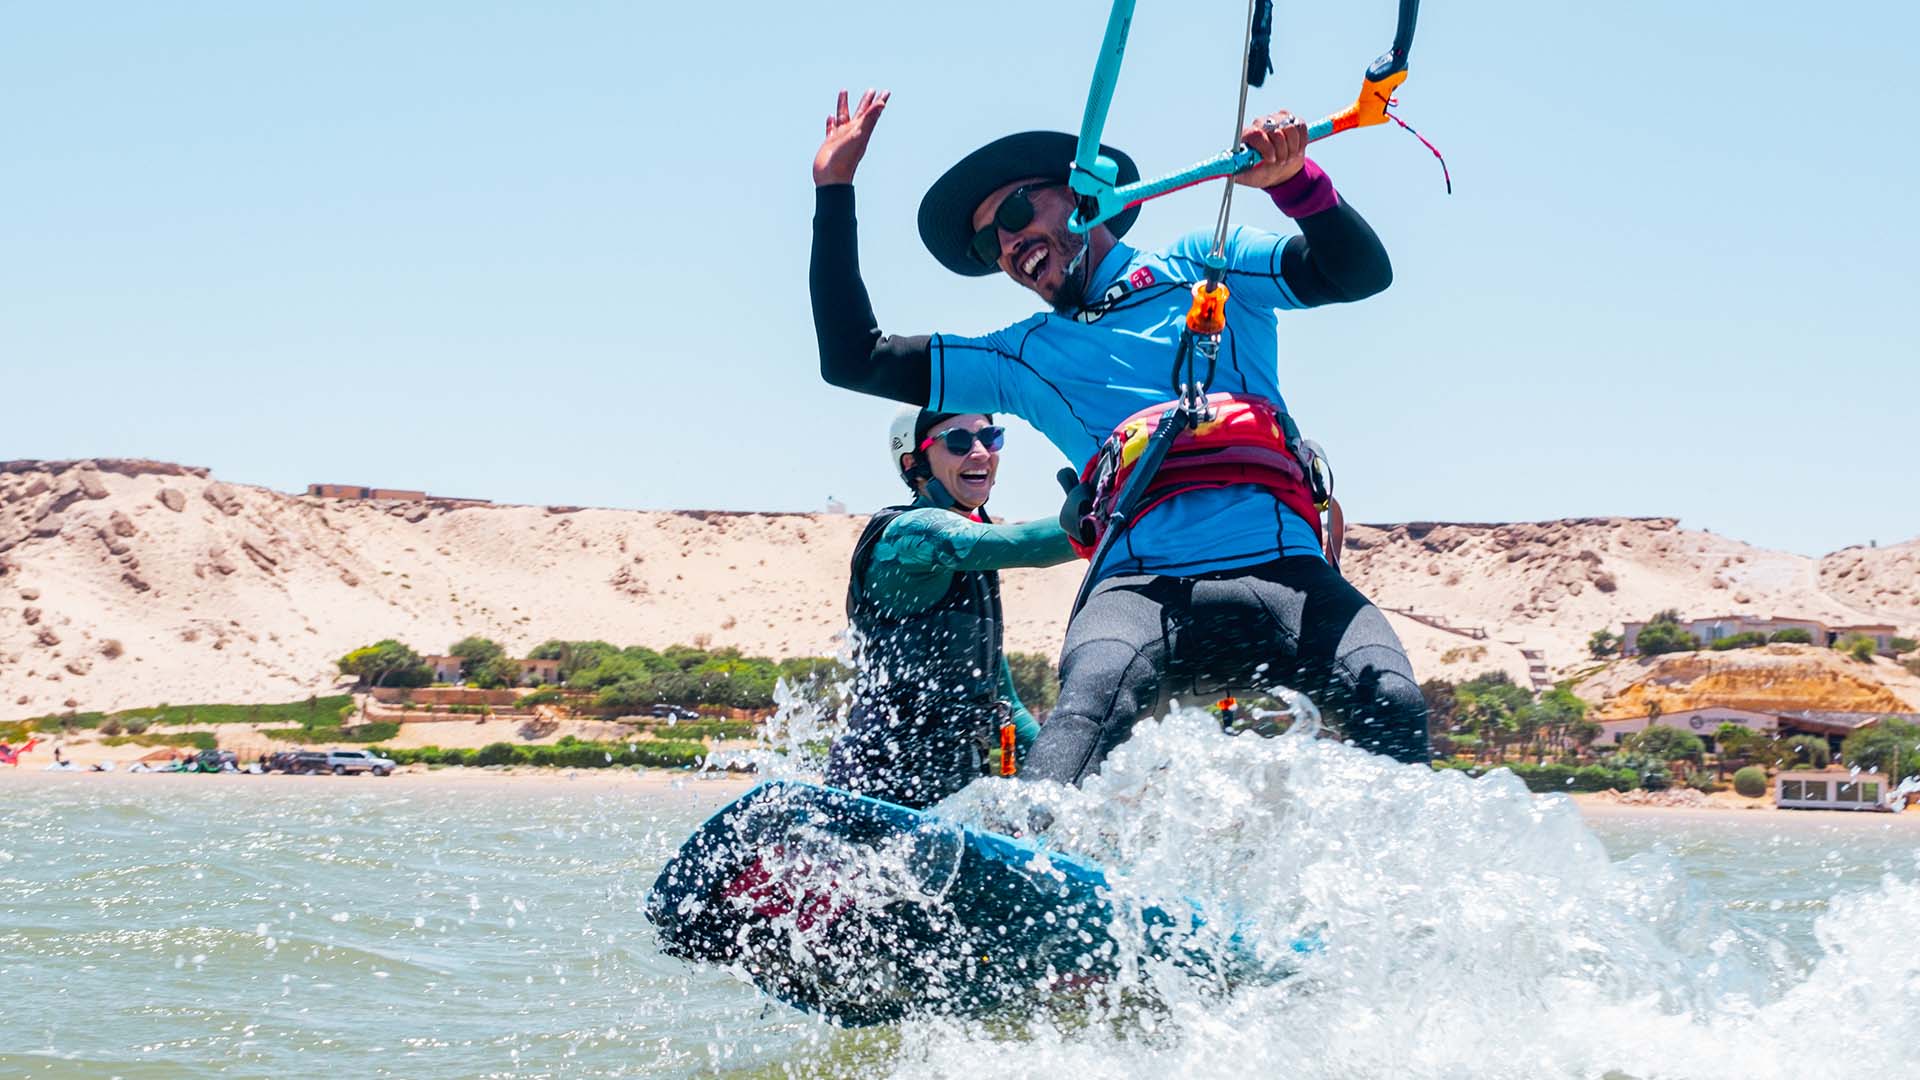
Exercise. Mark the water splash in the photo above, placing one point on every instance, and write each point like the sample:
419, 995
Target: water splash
1466, 928
1460, 928
792, 744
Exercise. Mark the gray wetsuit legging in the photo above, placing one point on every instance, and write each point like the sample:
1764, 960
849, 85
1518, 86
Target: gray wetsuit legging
1142, 639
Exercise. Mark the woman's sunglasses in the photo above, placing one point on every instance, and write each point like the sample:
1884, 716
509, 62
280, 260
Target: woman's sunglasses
1014, 213
960, 441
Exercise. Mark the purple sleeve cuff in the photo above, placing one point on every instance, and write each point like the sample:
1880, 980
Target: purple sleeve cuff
1305, 193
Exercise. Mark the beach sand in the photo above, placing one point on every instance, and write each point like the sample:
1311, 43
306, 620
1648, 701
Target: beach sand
1721, 806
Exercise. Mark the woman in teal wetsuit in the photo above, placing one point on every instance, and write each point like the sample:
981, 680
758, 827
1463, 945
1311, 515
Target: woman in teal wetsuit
932, 688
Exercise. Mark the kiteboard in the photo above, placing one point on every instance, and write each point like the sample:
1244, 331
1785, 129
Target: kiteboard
864, 912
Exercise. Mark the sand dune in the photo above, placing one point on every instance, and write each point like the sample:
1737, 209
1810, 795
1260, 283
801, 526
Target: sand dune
129, 583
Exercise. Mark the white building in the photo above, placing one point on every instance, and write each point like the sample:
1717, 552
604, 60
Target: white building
1834, 789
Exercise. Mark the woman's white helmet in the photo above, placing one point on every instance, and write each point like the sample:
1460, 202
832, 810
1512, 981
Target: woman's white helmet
901, 438
910, 424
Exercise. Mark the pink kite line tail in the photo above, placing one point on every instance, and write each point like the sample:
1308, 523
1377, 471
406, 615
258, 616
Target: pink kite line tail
1445, 173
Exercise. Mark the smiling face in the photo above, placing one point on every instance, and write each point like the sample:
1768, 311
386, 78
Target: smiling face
967, 477
1038, 256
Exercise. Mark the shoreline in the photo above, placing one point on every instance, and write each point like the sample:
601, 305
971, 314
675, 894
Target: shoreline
410, 776
692, 783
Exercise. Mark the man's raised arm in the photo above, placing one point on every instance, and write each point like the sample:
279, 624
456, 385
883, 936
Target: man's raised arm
1336, 258
853, 351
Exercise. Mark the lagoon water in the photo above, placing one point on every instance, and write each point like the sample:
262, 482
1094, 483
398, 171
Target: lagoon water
158, 926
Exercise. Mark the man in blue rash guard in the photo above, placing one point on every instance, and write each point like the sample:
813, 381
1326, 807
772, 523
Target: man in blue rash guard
1224, 587
932, 687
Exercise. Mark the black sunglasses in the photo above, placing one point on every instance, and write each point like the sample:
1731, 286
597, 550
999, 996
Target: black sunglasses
960, 441
1014, 213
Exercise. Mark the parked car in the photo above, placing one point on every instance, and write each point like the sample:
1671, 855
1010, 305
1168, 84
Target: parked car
342, 762
297, 761
672, 712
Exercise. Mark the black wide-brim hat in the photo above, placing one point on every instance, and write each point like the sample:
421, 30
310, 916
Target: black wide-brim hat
946, 214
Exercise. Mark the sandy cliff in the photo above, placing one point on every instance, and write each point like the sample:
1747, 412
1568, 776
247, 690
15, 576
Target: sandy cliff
1776, 678
126, 583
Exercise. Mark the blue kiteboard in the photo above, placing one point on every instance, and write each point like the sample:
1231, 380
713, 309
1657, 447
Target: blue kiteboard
864, 911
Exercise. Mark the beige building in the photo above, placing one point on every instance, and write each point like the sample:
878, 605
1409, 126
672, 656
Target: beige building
1720, 627
350, 491
1881, 633
1701, 722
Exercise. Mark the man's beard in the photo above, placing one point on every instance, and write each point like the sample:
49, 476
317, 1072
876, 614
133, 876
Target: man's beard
1073, 283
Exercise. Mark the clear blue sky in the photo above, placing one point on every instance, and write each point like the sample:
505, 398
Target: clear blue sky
556, 253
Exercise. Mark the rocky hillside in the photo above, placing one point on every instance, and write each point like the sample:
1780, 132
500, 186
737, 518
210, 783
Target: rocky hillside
1886, 580
1551, 584
127, 583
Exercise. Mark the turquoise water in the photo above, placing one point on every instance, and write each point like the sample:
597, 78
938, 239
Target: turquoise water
264, 926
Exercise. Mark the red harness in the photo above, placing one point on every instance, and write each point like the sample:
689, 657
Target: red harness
1246, 442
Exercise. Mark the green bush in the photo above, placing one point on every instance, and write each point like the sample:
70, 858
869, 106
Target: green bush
1665, 743
1558, 777
1601, 778
499, 753
633, 678
1648, 772
1704, 782
1603, 644
1809, 751
1751, 781
1859, 646
134, 721
1664, 637
1554, 776
667, 755
387, 663
566, 755
546, 695
1036, 680
1746, 640
1889, 746
574, 656
1903, 645
707, 729
1792, 635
